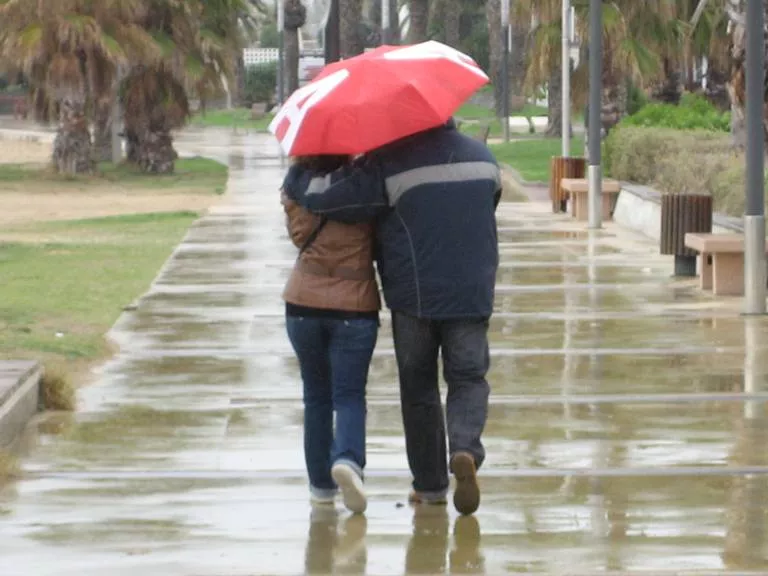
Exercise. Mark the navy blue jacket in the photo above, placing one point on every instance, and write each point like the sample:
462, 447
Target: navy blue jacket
434, 197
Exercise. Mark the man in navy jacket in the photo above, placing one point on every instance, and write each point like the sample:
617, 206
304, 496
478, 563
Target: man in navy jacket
434, 197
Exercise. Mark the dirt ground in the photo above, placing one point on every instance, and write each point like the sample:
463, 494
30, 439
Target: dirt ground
30, 203
22, 151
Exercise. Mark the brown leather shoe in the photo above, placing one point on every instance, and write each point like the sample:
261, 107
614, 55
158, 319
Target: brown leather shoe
466, 496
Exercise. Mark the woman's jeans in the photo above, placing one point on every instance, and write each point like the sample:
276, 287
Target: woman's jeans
334, 355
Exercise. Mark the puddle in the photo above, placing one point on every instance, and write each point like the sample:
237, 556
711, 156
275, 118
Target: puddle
607, 447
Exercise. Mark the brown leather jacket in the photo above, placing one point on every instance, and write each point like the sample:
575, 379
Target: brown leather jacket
336, 271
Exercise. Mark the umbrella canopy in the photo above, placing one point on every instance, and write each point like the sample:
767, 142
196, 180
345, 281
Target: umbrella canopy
362, 103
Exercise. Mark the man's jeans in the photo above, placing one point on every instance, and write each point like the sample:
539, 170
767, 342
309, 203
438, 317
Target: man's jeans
464, 345
334, 356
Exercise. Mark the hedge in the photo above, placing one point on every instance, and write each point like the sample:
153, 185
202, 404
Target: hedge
693, 112
679, 161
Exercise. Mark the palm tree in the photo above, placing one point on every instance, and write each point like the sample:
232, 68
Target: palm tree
418, 28
200, 42
520, 18
736, 10
249, 19
493, 17
543, 65
69, 50
639, 36
350, 23
452, 22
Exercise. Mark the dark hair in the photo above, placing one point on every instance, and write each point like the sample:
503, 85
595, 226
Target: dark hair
322, 162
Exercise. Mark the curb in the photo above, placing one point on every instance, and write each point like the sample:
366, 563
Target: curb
638, 208
19, 396
532, 191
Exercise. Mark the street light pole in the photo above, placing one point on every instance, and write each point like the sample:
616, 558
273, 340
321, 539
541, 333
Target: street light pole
754, 212
594, 174
280, 52
384, 22
505, 68
566, 79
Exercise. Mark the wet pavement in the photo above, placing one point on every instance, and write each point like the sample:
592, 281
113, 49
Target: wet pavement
620, 438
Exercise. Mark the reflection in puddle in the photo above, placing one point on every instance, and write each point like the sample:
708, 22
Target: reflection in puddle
186, 455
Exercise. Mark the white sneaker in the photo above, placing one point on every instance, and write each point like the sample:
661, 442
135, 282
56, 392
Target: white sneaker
351, 486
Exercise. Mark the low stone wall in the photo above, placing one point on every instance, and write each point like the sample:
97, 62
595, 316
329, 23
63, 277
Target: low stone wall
19, 396
639, 208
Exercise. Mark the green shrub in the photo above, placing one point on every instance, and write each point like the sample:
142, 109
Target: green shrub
636, 99
679, 161
269, 37
260, 83
693, 113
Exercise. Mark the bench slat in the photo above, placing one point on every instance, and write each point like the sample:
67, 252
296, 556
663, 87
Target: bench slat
717, 243
581, 185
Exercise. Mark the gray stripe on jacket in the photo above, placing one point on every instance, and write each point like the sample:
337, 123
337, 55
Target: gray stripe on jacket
399, 184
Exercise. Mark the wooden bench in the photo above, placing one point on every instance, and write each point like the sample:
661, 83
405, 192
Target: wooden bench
578, 194
721, 262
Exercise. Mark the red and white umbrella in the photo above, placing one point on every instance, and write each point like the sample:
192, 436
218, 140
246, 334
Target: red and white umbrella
359, 104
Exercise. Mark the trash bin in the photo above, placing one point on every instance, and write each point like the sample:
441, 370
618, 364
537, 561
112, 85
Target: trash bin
681, 214
563, 168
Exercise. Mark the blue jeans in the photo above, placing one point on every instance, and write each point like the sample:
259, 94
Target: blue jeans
334, 355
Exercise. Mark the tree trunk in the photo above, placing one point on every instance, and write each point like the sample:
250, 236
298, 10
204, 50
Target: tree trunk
518, 61
737, 86
717, 87
291, 50
102, 137
72, 145
332, 40
154, 151
614, 98
374, 21
671, 88
555, 103
350, 18
131, 146
614, 104
239, 87
394, 22
418, 30
493, 15
451, 22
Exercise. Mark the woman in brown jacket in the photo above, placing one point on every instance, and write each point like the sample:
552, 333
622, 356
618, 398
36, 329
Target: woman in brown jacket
332, 318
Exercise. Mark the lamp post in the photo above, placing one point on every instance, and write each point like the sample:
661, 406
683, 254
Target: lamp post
280, 52
754, 207
505, 68
594, 175
566, 78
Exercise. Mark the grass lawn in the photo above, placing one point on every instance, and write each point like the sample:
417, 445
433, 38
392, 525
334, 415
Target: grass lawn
531, 158
237, 117
66, 279
191, 173
474, 117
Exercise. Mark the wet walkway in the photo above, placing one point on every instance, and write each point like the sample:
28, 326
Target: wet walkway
619, 437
